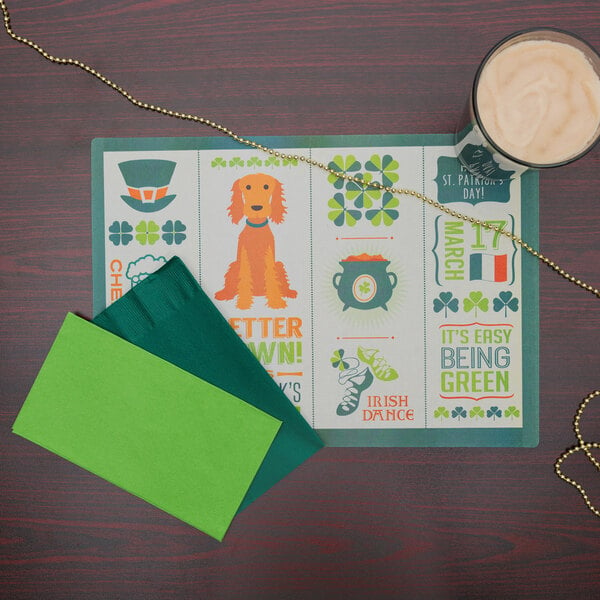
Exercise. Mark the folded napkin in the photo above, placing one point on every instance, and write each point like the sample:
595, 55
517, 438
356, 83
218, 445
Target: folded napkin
169, 315
180, 443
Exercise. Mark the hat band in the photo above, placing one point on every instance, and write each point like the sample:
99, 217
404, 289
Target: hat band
148, 194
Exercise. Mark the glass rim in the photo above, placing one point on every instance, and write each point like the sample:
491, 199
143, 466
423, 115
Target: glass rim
504, 41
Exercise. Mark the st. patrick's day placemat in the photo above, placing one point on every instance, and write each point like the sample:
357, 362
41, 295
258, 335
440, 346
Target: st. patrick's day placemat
385, 321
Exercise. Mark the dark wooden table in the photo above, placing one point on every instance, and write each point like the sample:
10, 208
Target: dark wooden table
350, 523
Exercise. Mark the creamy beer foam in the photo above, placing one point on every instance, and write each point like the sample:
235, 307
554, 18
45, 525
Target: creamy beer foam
539, 101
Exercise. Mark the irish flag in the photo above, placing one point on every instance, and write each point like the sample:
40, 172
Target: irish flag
488, 267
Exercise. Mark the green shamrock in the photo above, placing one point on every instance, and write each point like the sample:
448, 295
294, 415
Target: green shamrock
459, 413
441, 412
341, 215
513, 412
476, 413
365, 287
506, 300
476, 301
236, 161
387, 214
386, 166
272, 161
342, 165
254, 161
147, 233
290, 162
218, 162
445, 301
494, 412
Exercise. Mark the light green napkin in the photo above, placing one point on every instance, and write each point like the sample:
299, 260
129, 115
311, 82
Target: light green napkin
169, 314
145, 425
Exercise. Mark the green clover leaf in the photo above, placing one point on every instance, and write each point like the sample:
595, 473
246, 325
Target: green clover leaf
272, 161
343, 165
173, 232
441, 412
365, 287
340, 214
494, 412
386, 166
120, 233
445, 302
254, 161
476, 413
459, 413
387, 214
476, 301
236, 161
513, 412
218, 162
505, 301
147, 233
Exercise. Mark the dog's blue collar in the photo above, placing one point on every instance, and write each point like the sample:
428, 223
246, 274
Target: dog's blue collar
265, 222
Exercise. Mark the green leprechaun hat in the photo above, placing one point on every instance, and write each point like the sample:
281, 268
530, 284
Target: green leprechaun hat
147, 183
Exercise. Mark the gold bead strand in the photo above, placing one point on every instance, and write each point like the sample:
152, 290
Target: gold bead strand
584, 446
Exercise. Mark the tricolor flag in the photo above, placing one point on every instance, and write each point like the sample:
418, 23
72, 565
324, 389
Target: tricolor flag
488, 267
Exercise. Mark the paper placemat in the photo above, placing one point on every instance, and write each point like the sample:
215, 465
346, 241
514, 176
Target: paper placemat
385, 321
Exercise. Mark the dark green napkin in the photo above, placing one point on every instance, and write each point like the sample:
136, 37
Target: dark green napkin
169, 315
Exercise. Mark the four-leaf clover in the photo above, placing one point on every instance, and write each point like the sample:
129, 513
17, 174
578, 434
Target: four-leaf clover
120, 233
344, 165
386, 166
362, 195
147, 233
340, 214
173, 232
387, 213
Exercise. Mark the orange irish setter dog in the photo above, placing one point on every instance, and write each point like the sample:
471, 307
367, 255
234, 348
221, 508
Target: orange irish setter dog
255, 272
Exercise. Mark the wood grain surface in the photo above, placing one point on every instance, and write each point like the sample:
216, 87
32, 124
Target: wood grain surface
350, 523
